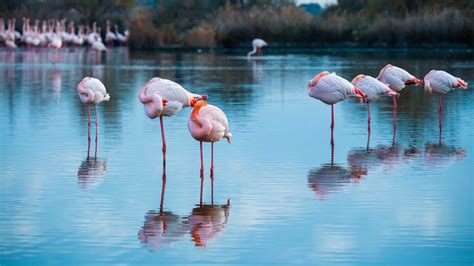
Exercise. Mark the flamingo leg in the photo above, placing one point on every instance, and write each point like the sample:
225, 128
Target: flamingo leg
96, 129
332, 124
440, 117
394, 118
212, 173
88, 130
202, 174
163, 140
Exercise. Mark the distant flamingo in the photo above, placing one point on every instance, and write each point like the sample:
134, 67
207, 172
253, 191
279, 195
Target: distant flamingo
92, 91
442, 82
257, 45
162, 97
331, 89
373, 88
396, 78
209, 124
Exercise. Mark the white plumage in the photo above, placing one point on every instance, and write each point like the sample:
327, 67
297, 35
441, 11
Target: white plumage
218, 120
97, 89
330, 88
396, 78
442, 82
372, 87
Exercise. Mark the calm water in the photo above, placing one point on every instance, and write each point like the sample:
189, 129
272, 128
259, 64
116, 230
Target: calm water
411, 202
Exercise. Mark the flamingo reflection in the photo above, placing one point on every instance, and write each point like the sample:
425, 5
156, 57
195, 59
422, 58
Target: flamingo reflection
91, 172
442, 154
329, 178
162, 228
207, 222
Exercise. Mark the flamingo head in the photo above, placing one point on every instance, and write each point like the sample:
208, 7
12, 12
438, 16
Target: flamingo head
197, 99
359, 94
414, 80
228, 136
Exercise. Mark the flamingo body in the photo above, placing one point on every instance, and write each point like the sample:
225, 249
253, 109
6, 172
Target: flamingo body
396, 78
372, 87
442, 82
208, 123
330, 88
92, 91
163, 97
257, 44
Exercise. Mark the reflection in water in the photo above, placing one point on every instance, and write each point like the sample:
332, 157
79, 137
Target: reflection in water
442, 154
329, 178
160, 229
91, 172
207, 222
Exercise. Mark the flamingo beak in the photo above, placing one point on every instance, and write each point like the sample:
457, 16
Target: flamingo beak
204, 97
193, 102
228, 140
359, 93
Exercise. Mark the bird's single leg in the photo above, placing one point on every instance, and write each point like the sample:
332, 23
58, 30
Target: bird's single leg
88, 130
440, 117
163, 139
202, 174
96, 129
332, 124
394, 118
212, 173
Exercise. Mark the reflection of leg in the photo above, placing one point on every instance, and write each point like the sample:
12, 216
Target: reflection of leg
368, 122
332, 124
440, 117
394, 118
212, 172
163, 191
88, 130
163, 140
332, 155
96, 129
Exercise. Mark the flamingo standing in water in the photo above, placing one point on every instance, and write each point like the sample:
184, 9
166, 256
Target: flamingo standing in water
257, 45
442, 82
397, 79
163, 97
209, 124
92, 91
373, 88
331, 89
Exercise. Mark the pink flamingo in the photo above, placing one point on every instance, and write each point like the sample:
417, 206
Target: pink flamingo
373, 88
209, 124
442, 82
397, 79
257, 45
162, 97
331, 89
92, 91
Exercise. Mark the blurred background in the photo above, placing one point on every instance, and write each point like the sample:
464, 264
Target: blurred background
283, 23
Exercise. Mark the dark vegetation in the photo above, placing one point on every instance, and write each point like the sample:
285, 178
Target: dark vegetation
234, 23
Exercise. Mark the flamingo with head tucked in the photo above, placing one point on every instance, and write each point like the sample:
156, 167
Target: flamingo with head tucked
374, 89
92, 91
208, 123
163, 97
257, 45
397, 79
331, 89
442, 82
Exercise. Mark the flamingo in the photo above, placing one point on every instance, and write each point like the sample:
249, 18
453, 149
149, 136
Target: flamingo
442, 82
331, 89
257, 45
163, 97
209, 124
92, 91
110, 37
397, 79
373, 88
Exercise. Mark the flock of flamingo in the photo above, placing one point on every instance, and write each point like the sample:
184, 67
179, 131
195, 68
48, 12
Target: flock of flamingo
207, 123
57, 34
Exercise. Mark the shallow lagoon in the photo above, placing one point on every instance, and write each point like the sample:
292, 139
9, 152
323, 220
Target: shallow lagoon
411, 202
